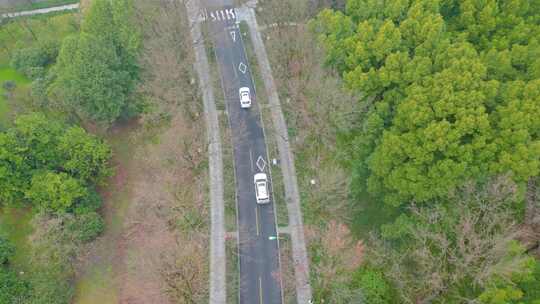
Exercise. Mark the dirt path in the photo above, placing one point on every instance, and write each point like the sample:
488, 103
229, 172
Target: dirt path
123, 265
99, 262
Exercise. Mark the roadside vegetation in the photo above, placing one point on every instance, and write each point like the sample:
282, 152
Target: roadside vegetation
101, 120
53, 168
50, 167
420, 132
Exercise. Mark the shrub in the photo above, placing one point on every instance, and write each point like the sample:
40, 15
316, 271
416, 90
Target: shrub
7, 250
39, 90
86, 227
35, 72
90, 203
12, 288
375, 289
32, 61
9, 85
28, 57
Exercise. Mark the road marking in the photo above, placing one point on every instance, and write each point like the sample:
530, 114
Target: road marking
233, 35
220, 15
257, 219
242, 67
260, 291
261, 164
251, 160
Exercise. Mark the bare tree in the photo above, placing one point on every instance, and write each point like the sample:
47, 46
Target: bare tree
339, 255
186, 271
168, 60
472, 240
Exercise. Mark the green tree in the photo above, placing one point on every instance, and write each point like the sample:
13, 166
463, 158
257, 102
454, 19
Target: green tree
36, 138
85, 156
55, 192
97, 69
91, 79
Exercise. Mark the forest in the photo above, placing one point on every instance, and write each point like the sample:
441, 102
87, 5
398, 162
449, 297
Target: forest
447, 144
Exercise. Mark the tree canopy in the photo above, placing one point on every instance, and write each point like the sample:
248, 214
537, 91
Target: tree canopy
465, 250
97, 69
50, 163
455, 88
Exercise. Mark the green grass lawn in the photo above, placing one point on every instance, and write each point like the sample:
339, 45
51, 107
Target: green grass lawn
7, 74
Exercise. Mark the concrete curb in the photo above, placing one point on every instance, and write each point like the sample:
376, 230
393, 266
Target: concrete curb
42, 11
218, 290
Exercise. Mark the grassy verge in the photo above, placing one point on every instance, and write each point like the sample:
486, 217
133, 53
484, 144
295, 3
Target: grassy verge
233, 273
229, 184
41, 4
287, 270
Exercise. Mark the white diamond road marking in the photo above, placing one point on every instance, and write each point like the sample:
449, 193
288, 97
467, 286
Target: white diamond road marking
261, 164
242, 67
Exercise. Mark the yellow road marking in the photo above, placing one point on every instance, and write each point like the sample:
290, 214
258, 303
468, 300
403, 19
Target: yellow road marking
257, 219
260, 291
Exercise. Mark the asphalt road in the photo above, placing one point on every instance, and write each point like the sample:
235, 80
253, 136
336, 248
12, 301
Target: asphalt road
260, 281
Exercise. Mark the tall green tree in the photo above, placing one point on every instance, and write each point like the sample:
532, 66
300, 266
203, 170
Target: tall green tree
91, 79
97, 69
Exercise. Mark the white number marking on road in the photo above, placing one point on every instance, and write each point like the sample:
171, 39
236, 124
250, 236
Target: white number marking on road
233, 35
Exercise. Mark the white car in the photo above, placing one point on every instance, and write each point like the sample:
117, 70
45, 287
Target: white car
261, 188
245, 97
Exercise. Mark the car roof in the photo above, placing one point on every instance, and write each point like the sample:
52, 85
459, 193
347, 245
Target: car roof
261, 189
